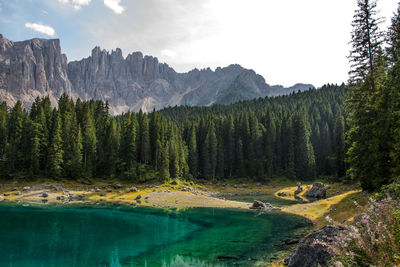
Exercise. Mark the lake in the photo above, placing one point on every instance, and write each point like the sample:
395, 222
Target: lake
122, 236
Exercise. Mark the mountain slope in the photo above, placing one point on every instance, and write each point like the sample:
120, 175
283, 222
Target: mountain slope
37, 67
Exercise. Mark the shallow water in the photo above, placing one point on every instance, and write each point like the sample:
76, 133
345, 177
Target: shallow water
119, 236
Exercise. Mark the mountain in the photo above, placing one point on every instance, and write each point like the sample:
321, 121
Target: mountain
37, 67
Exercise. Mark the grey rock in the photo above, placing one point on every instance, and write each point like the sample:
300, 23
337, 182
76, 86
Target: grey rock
318, 190
138, 197
117, 186
1, 198
133, 189
76, 197
44, 194
97, 189
314, 250
37, 67
103, 194
291, 241
26, 188
299, 189
109, 190
17, 193
258, 205
85, 181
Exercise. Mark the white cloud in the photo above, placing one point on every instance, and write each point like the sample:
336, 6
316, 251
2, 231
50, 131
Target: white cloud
77, 4
114, 5
45, 29
168, 53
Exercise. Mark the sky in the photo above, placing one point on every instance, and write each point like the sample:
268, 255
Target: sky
286, 41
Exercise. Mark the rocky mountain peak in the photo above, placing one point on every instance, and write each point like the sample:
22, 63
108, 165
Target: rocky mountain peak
37, 67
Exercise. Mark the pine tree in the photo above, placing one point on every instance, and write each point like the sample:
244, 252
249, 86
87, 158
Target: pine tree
128, 142
112, 144
89, 141
393, 52
366, 40
304, 160
365, 154
340, 145
15, 153
163, 159
3, 129
55, 157
143, 137
34, 147
193, 156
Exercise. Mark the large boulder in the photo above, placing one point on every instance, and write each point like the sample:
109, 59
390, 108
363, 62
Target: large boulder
257, 205
315, 250
318, 190
117, 186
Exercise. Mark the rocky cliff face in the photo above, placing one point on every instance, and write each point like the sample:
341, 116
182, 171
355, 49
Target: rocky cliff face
37, 67
32, 68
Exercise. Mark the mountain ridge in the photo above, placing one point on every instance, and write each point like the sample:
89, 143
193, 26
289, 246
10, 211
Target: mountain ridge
37, 67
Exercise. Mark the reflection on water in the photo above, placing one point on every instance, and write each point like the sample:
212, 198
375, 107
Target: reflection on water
138, 237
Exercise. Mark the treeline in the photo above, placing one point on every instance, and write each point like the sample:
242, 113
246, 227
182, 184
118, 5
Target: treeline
82, 139
299, 136
373, 99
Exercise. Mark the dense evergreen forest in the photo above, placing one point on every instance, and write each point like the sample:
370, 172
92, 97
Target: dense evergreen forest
299, 136
334, 131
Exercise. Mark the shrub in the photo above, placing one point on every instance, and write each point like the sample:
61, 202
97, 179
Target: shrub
374, 239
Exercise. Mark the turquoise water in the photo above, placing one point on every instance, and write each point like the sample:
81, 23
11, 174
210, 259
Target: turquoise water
115, 236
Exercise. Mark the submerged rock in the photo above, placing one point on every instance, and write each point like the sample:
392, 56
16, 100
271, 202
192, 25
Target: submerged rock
138, 197
315, 249
227, 257
318, 190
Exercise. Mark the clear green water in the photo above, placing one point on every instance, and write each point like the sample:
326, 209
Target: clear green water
115, 236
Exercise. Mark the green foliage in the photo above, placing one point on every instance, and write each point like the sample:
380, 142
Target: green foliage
372, 101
